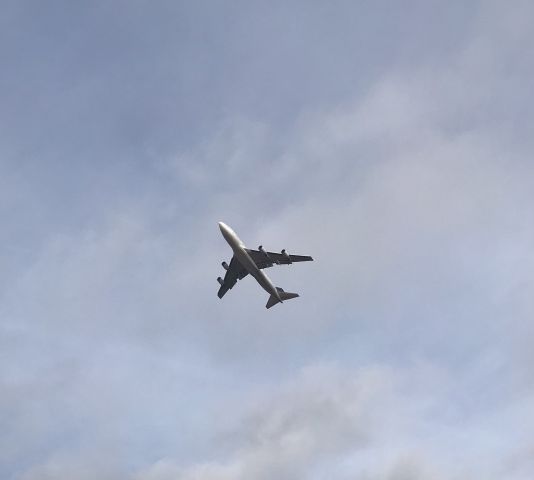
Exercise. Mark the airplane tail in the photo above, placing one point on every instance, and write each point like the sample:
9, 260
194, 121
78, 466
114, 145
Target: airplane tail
283, 296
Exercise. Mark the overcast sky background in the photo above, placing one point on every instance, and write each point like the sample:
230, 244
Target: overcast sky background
392, 141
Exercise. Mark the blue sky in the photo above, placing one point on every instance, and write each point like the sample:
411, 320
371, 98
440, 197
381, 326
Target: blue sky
391, 142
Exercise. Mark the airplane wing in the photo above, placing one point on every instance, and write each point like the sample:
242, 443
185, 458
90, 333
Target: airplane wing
265, 259
234, 273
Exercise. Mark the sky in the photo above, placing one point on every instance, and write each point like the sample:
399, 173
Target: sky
392, 141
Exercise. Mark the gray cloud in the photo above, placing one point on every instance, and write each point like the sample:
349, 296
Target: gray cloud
314, 419
402, 165
345, 424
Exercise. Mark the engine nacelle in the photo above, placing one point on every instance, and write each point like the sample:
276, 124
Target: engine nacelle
265, 254
286, 255
220, 280
225, 265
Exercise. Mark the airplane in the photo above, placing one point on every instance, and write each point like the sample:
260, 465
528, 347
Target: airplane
245, 261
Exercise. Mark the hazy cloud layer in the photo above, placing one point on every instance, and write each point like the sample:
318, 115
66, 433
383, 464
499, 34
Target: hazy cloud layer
391, 143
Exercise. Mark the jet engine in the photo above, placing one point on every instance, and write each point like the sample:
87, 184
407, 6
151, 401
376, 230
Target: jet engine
286, 255
225, 265
220, 280
266, 255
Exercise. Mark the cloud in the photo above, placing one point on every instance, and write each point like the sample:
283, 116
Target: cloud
407, 356
313, 420
341, 423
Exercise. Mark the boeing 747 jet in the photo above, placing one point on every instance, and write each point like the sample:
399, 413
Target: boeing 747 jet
245, 261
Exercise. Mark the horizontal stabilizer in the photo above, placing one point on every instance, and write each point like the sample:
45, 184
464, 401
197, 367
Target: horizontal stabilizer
283, 296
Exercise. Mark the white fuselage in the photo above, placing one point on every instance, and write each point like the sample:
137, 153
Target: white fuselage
244, 259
